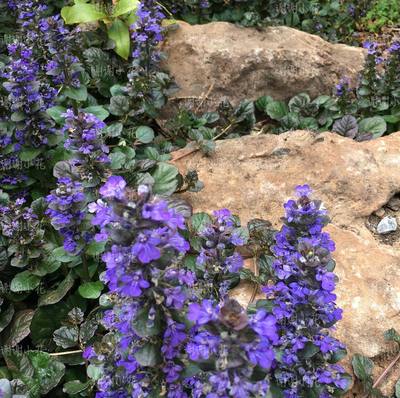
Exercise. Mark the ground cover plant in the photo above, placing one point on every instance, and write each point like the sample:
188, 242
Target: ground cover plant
333, 20
109, 285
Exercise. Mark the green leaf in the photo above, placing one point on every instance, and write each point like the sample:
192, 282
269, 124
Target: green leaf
148, 355
364, 91
374, 125
6, 316
277, 110
392, 335
55, 113
145, 134
95, 248
62, 256
99, 111
47, 265
262, 102
88, 330
321, 100
199, 221
165, 179
117, 89
48, 371
114, 130
274, 392
397, 389
94, 372
362, 367
78, 94
76, 316
82, 13
28, 154
299, 102
47, 319
338, 355
24, 281
54, 296
118, 159
119, 33
392, 119
119, 105
18, 364
66, 336
91, 290
39, 207
18, 116
124, 6
74, 387
19, 328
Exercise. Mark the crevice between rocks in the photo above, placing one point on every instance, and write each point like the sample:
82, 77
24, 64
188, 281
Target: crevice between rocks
384, 223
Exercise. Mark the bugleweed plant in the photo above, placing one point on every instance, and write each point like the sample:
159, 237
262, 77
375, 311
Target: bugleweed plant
109, 286
168, 335
365, 110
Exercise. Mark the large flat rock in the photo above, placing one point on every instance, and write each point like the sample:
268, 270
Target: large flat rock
227, 61
254, 175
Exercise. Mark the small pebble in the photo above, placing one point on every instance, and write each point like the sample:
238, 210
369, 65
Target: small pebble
380, 213
387, 225
394, 204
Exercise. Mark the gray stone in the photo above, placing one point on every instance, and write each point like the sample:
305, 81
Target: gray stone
387, 225
394, 204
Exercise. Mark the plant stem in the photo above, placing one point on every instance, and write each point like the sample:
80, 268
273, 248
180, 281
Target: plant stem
196, 149
86, 276
57, 354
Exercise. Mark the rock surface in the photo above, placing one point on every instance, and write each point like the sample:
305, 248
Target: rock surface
254, 175
226, 61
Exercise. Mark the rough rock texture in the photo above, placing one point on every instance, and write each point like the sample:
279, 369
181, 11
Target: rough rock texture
254, 175
225, 60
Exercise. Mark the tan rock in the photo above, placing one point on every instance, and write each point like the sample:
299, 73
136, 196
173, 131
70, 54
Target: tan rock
228, 61
254, 175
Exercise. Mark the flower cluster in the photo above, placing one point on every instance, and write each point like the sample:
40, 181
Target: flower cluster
239, 349
147, 30
66, 208
217, 259
149, 289
28, 97
280, 344
342, 87
84, 138
37, 66
304, 302
57, 42
21, 226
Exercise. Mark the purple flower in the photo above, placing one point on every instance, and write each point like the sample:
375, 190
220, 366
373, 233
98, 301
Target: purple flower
202, 346
234, 263
113, 188
175, 297
202, 313
265, 325
133, 284
145, 248
261, 355
371, 47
